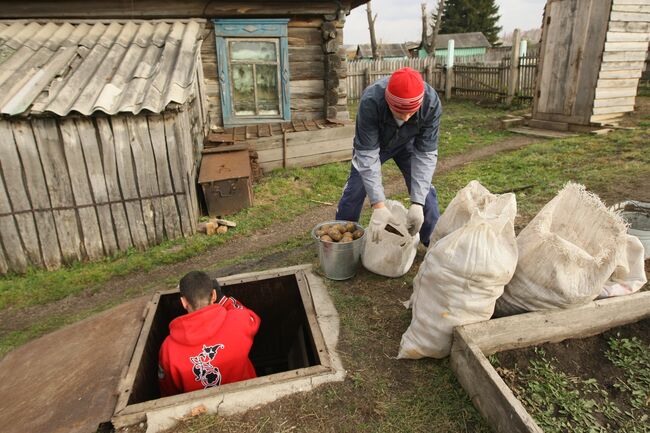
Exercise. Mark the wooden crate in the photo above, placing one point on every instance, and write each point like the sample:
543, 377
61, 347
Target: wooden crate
473, 343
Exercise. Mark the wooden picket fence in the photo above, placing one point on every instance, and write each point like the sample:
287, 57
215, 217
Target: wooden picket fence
488, 81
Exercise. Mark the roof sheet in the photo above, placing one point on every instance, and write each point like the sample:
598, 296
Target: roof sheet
463, 40
96, 66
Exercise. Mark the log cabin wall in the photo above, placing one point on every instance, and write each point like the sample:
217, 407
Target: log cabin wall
316, 63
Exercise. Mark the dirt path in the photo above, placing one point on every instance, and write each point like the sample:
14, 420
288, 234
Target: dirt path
135, 284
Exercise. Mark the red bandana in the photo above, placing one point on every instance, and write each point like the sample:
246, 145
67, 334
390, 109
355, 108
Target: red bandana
405, 91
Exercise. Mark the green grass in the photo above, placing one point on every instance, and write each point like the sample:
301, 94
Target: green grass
633, 357
560, 402
543, 168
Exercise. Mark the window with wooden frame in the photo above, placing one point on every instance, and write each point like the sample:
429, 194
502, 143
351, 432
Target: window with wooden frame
253, 66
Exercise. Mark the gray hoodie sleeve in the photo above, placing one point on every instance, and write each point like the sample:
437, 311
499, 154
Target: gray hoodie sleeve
423, 165
425, 153
369, 167
366, 149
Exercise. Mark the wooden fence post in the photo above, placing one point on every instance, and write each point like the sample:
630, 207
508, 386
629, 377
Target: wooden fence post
514, 66
366, 79
450, 69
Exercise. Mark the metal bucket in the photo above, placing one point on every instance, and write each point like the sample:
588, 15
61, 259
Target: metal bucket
637, 215
339, 261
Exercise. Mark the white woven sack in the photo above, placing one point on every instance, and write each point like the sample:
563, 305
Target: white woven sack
474, 196
629, 274
566, 253
386, 253
463, 273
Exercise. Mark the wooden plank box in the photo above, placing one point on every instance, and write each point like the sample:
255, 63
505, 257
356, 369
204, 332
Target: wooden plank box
294, 349
473, 343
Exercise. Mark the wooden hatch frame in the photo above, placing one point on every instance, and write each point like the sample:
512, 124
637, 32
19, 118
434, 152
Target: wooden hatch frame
473, 343
329, 367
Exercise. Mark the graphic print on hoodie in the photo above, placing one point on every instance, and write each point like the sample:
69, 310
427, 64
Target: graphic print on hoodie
208, 347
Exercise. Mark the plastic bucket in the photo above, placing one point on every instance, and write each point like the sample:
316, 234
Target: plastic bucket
339, 261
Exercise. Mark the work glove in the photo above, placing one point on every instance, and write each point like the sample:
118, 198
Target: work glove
414, 218
381, 216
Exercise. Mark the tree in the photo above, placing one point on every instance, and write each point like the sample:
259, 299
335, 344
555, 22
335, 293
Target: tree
463, 16
436, 21
371, 27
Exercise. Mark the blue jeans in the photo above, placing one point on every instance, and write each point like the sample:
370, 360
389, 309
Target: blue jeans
354, 193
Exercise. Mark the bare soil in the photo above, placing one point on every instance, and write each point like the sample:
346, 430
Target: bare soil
132, 285
583, 358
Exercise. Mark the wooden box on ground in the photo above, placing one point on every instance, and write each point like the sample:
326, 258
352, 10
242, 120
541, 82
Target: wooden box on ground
226, 181
293, 349
472, 343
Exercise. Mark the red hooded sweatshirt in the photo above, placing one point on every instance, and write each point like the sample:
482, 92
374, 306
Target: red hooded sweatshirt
208, 347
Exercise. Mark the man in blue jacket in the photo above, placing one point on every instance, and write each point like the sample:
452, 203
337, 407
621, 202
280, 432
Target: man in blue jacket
398, 118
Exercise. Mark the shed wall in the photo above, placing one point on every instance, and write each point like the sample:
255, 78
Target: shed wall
81, 188
623, 60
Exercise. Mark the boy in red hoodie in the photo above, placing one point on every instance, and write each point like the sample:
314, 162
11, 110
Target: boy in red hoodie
209, 346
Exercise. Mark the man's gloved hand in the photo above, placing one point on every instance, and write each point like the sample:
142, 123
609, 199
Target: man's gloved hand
381, 216
415, 218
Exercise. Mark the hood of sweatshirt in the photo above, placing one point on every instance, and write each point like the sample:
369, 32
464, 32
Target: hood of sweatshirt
198, 326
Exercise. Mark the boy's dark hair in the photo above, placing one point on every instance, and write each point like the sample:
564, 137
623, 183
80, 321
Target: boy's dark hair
196, 287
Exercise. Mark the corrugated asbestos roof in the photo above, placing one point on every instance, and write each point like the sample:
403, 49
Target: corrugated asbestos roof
87, 67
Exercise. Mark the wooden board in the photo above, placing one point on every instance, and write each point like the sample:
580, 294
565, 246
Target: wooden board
92, 239
624, 74
60, 189
177, 170
614, 102
145, 170
92, 155
128, 184
488, 392
17, 192
187, 148
37, 190
171, 219
472, 343
626, 46
573, 38
118, 211
14, 256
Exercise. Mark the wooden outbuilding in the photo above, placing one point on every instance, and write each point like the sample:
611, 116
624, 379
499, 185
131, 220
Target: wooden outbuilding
98, 137
592, 56
75, 75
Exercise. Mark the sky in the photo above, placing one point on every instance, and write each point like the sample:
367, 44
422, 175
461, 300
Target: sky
401, 21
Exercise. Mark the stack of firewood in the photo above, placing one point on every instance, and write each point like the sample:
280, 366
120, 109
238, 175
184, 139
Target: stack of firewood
215, 226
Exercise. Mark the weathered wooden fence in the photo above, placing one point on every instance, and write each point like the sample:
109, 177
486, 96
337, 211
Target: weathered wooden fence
84, 188
468, 80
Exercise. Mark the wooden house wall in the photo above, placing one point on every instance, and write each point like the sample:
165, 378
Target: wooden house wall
307, 71
87, 187
623, 61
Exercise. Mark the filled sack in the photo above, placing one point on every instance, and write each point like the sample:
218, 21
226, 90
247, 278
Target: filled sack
629, 274
464, 272
389, 249
566, 253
